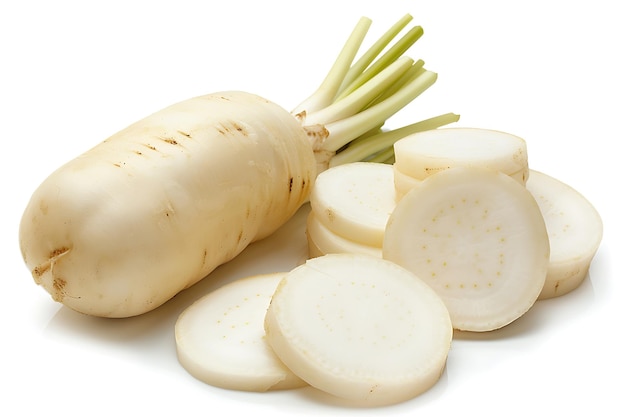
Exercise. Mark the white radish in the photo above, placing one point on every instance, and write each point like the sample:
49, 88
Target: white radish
574, 228
355, 200
478, 238
359, 328
153, 209
220, 338
323, 241
422, 154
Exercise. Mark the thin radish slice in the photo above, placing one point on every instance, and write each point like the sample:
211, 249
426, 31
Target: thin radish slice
220, 339
360, 328
323, 241
478, 238
355, 200
575, 230
404, 183
425, 153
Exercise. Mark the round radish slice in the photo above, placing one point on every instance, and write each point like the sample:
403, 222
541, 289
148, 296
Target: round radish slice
423, 154
574, 229
220, 339
405, 183
360, 328
478, 238
354, 200
323, 241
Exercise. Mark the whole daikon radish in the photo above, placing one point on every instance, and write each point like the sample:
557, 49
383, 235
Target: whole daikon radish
153, 209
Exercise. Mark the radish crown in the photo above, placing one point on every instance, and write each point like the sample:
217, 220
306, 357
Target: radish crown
344, 116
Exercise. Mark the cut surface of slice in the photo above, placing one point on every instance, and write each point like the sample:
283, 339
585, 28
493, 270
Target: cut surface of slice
220, 339
423, 154
478, 238
323, 241
354, 200
575, 230
360, 328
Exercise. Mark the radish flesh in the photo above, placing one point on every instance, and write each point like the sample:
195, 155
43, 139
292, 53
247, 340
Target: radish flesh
422, 154
220, 338
574, 228
359, 328
478, 238
355, 200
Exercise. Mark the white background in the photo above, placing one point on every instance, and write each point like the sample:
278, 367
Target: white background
72, 73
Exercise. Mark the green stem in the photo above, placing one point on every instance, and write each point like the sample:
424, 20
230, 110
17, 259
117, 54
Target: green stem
362, 96
390, 56
344, 131
370, 55
412, 73
325, 93
362, 148
356, 99
383, 157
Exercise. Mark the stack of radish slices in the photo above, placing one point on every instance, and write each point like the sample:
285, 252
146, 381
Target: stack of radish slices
458, 234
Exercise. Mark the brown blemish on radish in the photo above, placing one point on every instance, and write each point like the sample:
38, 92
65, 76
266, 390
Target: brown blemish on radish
331, 215
43, 207
171, 141
58, 289
46, 266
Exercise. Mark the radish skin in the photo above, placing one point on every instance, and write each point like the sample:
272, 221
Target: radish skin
149, 190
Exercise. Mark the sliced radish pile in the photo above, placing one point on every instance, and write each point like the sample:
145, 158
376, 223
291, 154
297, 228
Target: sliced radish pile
423, 154
478, 238
457, 234
360, 328
354, 200
220, 339
574, 228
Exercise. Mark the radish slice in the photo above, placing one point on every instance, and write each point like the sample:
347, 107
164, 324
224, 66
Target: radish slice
355, 200
220, 339
323, 241
574, 228
425, 153
478, 238
404, 183
360, 328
